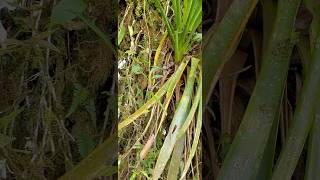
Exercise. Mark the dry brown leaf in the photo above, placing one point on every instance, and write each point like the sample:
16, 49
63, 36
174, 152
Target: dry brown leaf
147, 147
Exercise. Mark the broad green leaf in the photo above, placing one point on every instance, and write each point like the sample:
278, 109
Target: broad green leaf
84, 142
136, 69
91, 109
67, 10
80, 97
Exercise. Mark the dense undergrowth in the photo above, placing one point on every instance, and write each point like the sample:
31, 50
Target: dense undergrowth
159, 89
61, 116
57, 87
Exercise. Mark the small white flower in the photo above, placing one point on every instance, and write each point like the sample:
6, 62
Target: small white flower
164, 132
121, 64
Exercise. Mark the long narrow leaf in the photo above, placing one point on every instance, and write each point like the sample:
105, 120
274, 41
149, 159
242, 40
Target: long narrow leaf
175, 162
313, 159
195, 141
175, 77
222, 43
178, 119
193, 109
165, 18
90, 167
303, 118
266, 166
246, 152
177, 12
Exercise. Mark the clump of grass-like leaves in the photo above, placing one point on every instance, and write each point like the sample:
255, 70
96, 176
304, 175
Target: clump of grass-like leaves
252, 153
186, 22
187, 18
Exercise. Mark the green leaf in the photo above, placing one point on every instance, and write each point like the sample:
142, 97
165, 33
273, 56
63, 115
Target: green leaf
187, 20
174, 166
67, 10
313, 158
155, 68
179, 118
157, 76
136, 69
84, 142
220, 43
104, 155
121, 33
303, 119
80, 97
247, 151
108, 171
133, 176
195, 143
91, 109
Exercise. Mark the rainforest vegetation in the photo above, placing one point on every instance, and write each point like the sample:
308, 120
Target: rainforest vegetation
57, 89
261, 89
160, 89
